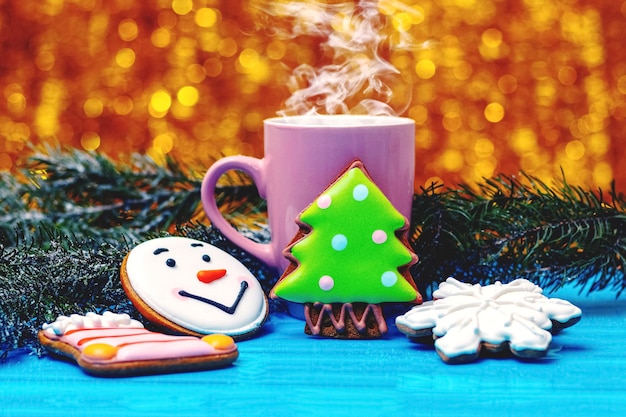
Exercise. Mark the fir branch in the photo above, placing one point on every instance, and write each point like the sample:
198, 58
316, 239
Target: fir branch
88, 194
142, 196
509, 227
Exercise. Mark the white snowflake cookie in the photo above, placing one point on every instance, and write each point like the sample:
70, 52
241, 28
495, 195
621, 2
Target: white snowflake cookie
465, 318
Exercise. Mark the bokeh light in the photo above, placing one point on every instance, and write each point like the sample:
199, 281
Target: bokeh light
494, 86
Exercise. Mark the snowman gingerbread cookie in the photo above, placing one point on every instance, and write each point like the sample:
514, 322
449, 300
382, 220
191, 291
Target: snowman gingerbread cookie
192, 287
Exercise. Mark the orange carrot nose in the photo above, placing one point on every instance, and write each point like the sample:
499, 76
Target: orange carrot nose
209, 275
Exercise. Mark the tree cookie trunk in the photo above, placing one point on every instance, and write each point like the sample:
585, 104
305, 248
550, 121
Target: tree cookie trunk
344, 321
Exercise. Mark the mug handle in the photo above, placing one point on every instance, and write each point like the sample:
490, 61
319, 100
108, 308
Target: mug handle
254, 167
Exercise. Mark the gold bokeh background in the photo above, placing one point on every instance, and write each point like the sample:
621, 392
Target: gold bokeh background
496, 86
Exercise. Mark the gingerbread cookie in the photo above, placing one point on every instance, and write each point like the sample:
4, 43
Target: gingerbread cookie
116, 345
192, 287
464, 318
350, 255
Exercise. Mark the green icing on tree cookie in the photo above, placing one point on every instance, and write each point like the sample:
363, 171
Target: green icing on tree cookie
352, 253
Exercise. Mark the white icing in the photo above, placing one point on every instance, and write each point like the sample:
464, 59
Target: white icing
158, 286
463, 316
91, 320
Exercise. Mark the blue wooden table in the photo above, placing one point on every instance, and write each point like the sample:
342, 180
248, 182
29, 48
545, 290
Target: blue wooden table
286, 373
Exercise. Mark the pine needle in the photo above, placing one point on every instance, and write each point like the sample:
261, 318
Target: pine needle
508, 227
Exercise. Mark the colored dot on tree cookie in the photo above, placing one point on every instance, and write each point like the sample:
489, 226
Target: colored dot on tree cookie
339, 242
360, 192
379, 236
324, 201
326, 283
389, 279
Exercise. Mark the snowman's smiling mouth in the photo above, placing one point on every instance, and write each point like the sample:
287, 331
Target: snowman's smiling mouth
224, 308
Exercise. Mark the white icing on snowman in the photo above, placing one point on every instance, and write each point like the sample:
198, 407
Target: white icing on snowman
197, 286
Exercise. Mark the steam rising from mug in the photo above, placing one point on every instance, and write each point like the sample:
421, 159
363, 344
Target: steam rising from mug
357, 80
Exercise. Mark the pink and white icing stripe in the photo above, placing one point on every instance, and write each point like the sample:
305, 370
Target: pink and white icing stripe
130, 340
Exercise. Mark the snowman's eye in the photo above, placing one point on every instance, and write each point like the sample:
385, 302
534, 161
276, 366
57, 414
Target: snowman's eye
206, 258
170, 262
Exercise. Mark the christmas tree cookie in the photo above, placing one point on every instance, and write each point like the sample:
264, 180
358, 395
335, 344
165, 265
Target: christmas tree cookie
350, 255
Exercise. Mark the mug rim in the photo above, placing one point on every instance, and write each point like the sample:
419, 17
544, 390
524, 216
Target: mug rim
334, 121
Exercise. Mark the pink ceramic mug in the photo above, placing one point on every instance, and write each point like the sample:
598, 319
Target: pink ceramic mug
303, 155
